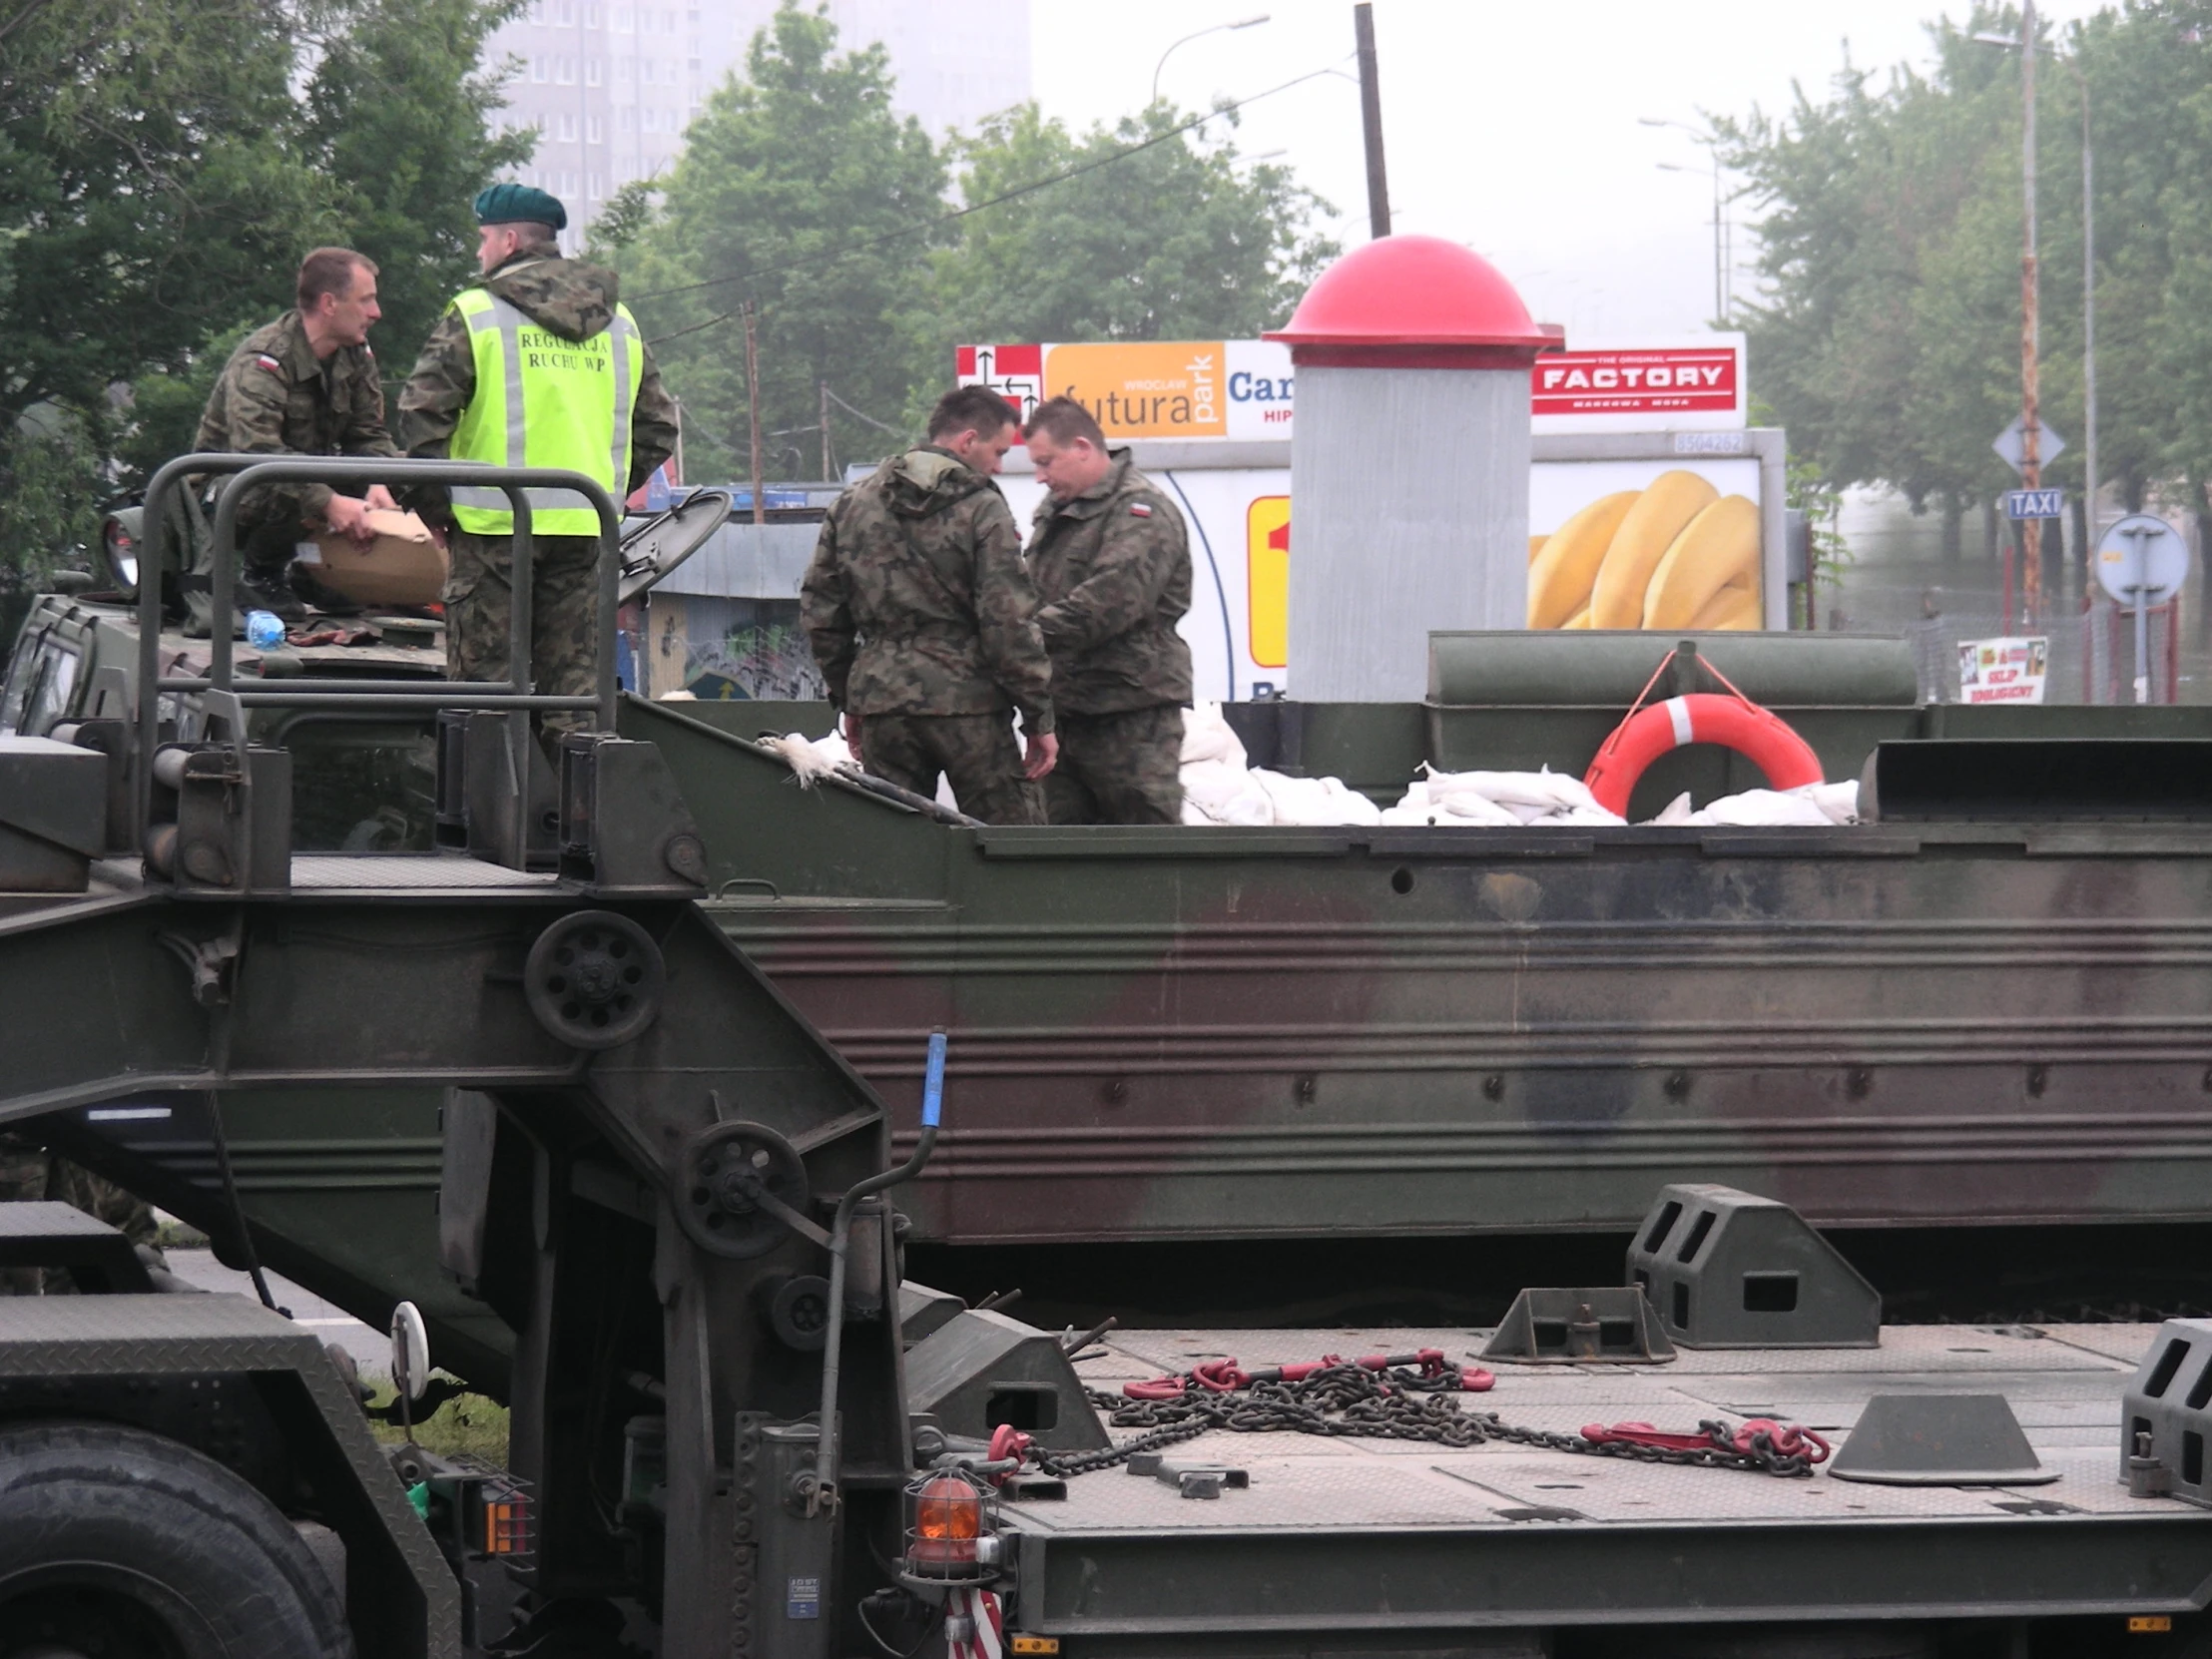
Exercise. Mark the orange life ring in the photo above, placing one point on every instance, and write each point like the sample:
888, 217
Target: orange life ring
1758, 735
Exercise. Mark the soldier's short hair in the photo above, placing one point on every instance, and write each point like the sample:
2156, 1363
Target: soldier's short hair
1063, 420
972, 409
330, 271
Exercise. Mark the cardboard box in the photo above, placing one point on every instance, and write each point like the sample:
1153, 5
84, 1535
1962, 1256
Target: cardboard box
402, 565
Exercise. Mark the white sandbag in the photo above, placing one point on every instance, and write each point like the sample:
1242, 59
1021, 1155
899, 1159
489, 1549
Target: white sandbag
1760, 809
1351, 806
1207, 736
1838, 801
1811, 806
1541, 797
1295, 800
1222, 794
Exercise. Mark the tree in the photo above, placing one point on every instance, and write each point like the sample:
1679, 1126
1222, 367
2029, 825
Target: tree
148, 187
798, 190
1170, 239
398, 114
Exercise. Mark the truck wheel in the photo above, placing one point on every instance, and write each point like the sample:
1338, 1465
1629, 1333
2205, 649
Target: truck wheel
114, 1542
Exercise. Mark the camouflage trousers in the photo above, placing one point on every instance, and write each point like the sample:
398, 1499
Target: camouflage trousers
29, 1174
977, 752
564, 618
1119, 769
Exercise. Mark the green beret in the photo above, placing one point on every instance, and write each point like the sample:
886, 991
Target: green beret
512, 204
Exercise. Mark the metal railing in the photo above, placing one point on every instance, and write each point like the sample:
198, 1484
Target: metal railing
219, 685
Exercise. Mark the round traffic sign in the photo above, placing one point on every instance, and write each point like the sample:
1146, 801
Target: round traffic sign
2142, 559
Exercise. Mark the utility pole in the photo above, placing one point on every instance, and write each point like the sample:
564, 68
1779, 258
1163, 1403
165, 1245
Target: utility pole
1371, 120
752, 409
2032, 437
2089, 334
828, 475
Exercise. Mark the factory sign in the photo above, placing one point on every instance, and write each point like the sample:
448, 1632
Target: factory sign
1641, 386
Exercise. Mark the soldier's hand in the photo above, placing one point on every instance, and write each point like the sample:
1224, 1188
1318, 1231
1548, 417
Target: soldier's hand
1039, 755
853, 732
380, 498
349, 514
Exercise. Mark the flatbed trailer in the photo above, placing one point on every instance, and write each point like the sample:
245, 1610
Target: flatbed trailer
1508, 1548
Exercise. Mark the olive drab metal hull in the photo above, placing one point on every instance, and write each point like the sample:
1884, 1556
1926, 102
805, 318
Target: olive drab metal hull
1210, 1032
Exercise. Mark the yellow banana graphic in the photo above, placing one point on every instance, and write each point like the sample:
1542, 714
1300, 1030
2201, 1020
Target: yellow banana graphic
1560, 579
1646, 531
1580, 619
1537, 546
1734, 607
1713, 550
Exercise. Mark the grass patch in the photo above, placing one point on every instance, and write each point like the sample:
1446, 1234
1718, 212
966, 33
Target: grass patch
468, 1423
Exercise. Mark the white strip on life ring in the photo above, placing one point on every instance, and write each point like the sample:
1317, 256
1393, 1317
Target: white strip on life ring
1678, 711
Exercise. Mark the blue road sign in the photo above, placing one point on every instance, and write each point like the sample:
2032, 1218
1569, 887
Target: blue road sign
2034, 503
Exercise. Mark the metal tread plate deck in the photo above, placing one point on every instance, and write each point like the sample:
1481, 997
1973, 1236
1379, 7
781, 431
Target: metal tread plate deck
1503, 1534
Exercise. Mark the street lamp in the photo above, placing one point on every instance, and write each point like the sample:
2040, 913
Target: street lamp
1214, 29
1720, 254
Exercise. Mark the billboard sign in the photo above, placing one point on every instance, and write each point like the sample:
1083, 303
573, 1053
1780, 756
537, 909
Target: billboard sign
2003, 671
1243, 388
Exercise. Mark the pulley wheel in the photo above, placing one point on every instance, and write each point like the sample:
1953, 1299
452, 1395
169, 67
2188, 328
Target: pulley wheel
798, 1312
721, 1175
594, 980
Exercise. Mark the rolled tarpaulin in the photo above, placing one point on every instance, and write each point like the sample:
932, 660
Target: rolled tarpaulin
1553, 669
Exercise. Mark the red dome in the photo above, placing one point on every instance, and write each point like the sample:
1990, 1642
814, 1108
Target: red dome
1414, 290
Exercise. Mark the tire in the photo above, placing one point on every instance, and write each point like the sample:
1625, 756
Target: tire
114, 1542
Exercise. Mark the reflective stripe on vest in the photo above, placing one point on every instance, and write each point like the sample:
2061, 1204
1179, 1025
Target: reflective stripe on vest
544, 405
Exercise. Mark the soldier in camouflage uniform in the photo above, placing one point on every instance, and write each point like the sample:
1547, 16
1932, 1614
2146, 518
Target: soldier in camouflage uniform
923, 620
522, 265
304, 385
1113, 567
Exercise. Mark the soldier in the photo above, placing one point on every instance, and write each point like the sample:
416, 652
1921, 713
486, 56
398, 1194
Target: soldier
29, 1173
924, 623
541, 365
1113, 568
304, 385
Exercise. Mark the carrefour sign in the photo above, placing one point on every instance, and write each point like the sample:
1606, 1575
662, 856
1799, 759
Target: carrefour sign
1244, 388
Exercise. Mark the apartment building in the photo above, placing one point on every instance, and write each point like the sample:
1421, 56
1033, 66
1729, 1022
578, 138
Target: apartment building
612, 84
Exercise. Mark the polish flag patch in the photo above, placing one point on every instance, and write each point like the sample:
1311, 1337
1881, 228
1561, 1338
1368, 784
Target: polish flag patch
1136, 509
268, 363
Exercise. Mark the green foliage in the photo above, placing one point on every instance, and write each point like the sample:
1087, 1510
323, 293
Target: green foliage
800, 191
1175, 242
51, 492
160, 180
148, 191
396, 113
794, 184
1890, 338
628, 215
466, 1426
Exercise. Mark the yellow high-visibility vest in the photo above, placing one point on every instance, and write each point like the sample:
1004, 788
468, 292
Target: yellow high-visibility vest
545, 400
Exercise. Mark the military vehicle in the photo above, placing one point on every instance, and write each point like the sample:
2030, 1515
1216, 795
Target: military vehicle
736, 1430
1975, 1012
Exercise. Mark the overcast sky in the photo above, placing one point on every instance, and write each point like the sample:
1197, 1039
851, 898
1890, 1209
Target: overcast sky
1511, 127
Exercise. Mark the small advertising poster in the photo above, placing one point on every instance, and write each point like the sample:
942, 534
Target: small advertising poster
2002, 671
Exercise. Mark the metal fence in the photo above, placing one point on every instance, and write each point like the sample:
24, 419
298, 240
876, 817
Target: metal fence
2092, 653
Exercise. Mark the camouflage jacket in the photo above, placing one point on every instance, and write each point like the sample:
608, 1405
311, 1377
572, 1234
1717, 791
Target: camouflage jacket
575, 301
276, 397
1113, 568
916, 601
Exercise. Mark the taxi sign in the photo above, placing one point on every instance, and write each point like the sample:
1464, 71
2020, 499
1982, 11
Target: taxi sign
2021, 504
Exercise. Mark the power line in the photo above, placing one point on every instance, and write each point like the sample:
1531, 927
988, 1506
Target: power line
958, 212
857, 416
